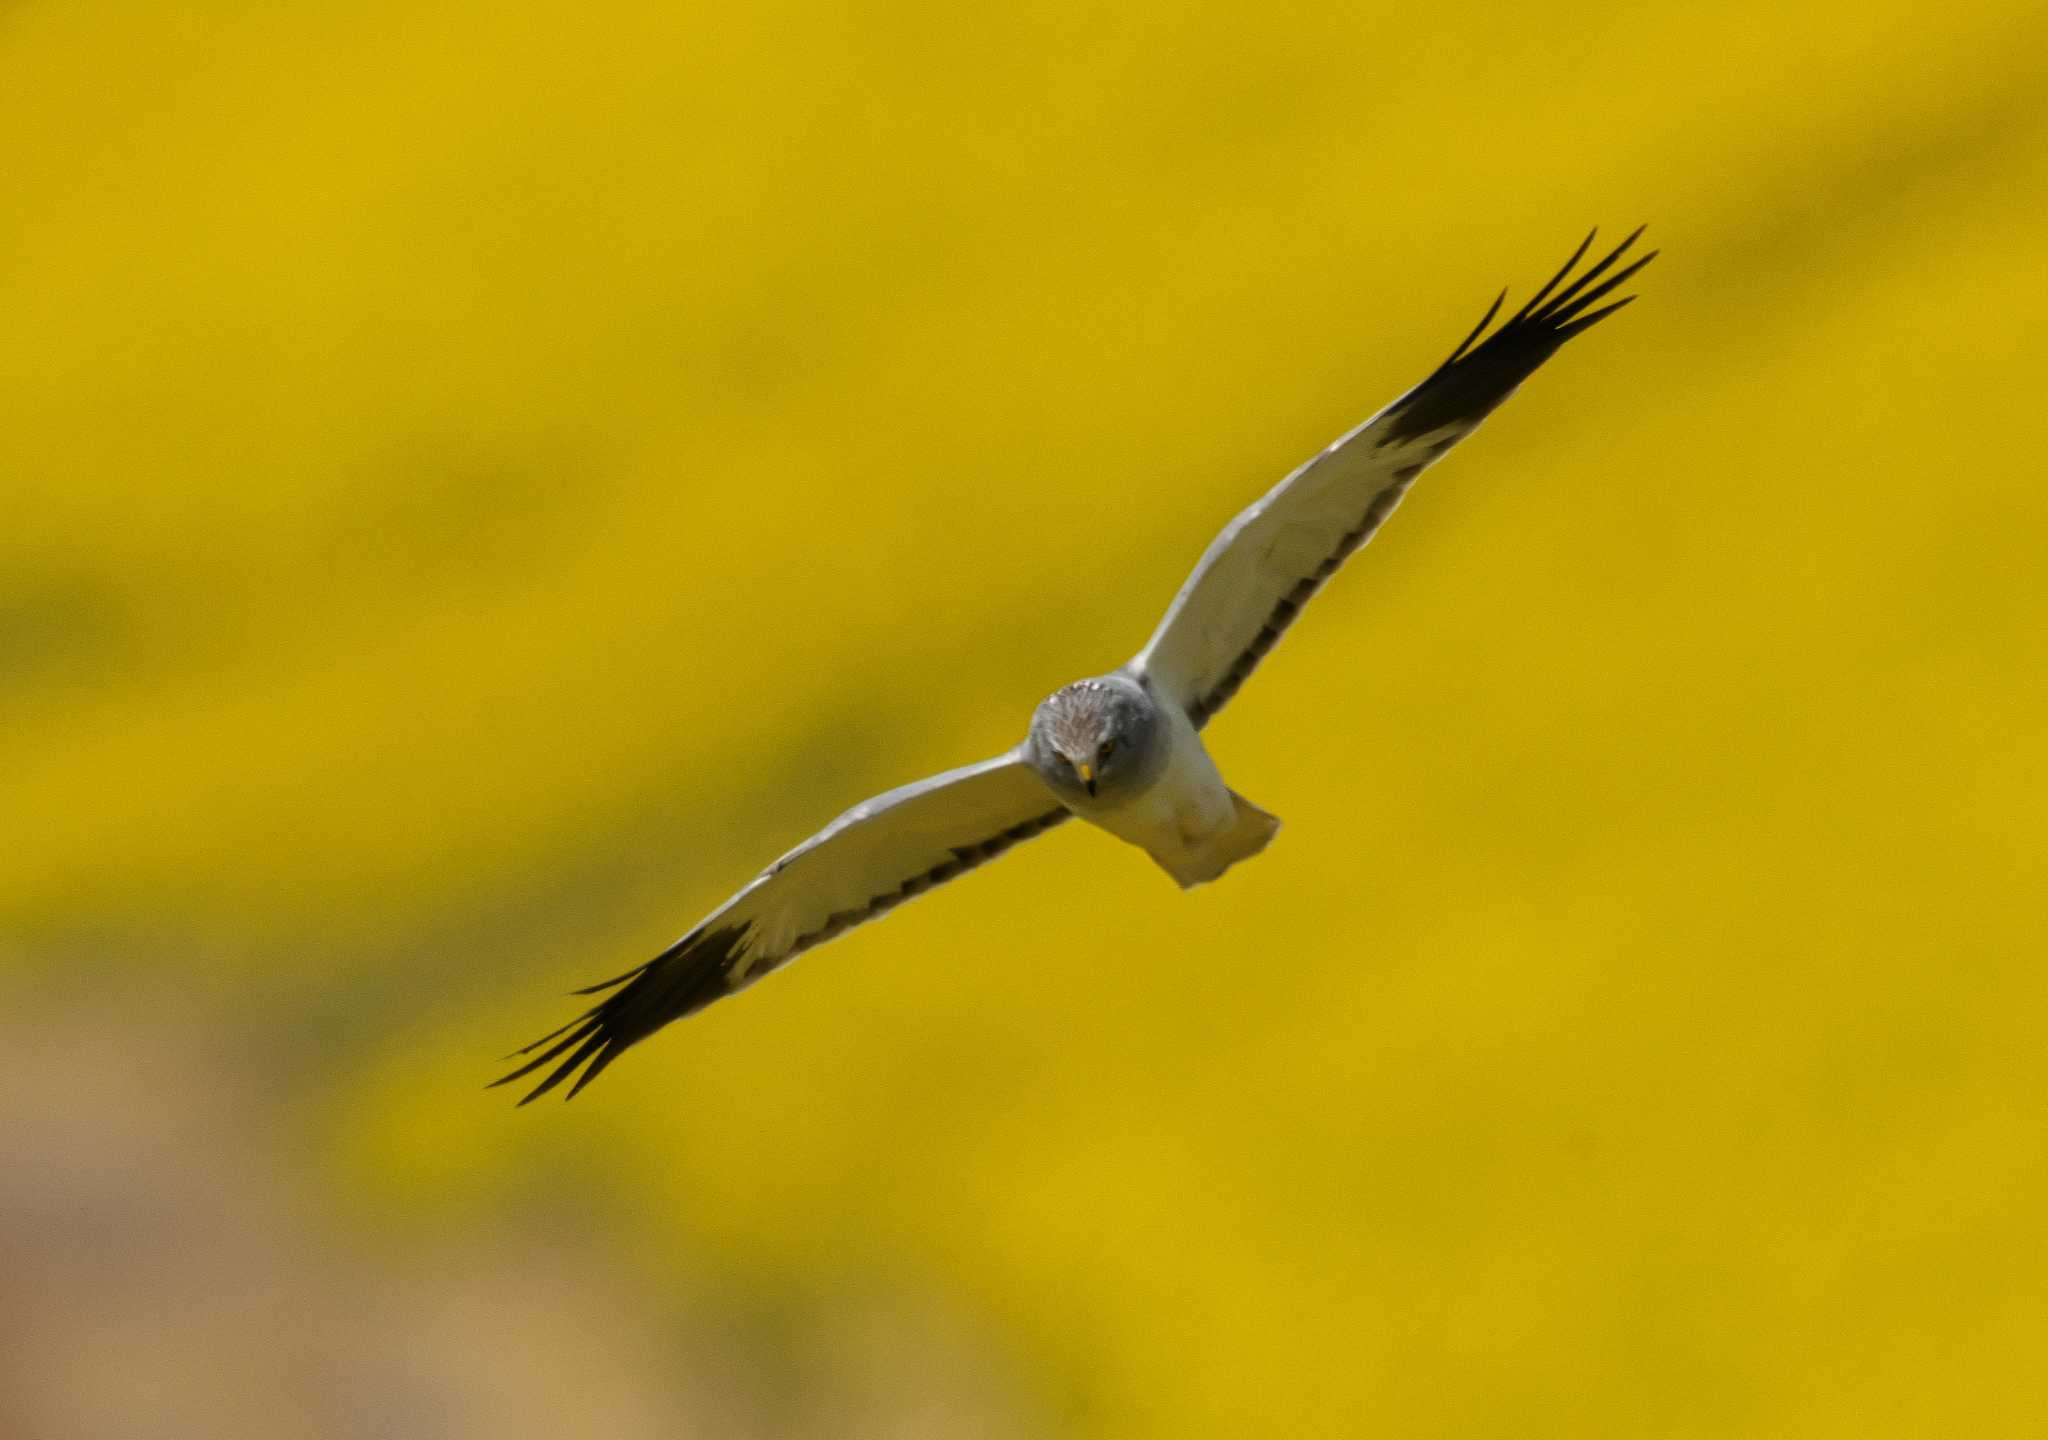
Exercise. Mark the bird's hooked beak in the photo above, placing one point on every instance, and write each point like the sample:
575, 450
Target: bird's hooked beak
1087, 773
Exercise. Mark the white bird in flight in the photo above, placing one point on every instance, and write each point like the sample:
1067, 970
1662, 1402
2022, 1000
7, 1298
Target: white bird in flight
1123, 750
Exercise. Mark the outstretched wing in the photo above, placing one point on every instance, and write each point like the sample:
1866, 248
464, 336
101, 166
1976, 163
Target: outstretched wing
1256, 576
871, 859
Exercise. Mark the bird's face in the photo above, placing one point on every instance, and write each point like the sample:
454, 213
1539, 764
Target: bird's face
1095, 738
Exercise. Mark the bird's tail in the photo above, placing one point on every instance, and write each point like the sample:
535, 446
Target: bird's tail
1250, 830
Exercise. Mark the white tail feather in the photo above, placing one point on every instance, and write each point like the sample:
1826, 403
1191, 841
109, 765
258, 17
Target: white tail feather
1249, 831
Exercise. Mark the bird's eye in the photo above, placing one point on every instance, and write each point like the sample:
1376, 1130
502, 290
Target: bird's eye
1108, 749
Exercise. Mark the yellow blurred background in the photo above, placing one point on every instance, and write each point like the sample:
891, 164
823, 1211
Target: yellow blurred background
481, 480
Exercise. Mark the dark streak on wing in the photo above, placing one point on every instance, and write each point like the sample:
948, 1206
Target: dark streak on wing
1459, 393
1289, 605
698, 969
965, 858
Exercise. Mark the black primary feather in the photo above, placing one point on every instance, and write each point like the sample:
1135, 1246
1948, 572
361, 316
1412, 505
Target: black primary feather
1465, 388
700, 968
682, 979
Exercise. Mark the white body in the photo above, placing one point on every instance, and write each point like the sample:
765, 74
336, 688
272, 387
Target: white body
1187, 819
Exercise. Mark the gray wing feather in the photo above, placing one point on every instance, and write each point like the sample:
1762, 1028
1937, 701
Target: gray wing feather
871, 859
1257, 575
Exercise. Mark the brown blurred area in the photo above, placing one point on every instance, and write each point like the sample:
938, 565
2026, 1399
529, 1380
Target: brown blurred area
165, 1272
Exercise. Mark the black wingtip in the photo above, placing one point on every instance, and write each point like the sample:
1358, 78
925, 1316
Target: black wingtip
603, 985
1477, 330
1465, 389
684, 978
1587, 322
1551, 284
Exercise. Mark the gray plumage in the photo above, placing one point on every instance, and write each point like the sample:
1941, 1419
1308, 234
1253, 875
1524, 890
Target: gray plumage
1098, 739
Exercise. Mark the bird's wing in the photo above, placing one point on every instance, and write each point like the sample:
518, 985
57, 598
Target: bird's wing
874, 857
1256, 576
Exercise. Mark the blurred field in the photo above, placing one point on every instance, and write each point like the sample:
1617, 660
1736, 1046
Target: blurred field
478, 484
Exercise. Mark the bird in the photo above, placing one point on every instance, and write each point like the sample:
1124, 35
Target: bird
1122, 751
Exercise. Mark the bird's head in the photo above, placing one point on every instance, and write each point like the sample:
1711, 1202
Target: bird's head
1100, 737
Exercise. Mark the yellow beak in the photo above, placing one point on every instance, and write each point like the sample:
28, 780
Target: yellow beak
1086, 772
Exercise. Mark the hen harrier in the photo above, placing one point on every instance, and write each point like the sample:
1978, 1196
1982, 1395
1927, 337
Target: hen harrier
1122, 750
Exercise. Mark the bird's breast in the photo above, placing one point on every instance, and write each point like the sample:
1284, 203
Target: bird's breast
1186, 803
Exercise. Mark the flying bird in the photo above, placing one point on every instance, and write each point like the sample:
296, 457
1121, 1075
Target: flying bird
1122, 751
